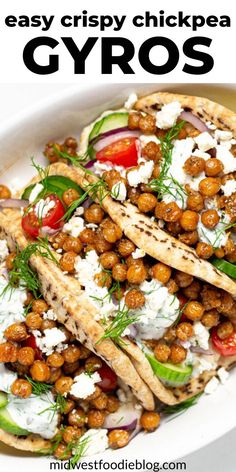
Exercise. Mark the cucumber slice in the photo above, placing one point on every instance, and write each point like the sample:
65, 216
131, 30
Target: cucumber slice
7, 424
109, 122
172, 373
225, 266
3, 399
56, 184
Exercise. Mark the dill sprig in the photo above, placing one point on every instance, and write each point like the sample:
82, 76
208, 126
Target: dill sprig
22, 274
120, 322
181, 407
76, 161
38, 388
78, 449
59, 406
97, 190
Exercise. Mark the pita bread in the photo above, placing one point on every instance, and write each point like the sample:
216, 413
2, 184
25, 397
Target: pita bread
31, 443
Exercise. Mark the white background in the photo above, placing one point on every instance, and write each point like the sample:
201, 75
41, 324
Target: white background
220, 455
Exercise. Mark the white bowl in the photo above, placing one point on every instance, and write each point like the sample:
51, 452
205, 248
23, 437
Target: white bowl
25, 136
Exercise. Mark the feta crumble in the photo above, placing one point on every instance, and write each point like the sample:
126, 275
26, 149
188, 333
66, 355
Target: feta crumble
205, 141
167, 117
131, 100
52, 338
96, 441
119, 192
201, 336
49, 315
229, 187
224, 155
138, 253
42, 207
3, 249
84, 385
211, 386
223, 135
147, 138
101, 167
74, 226
140, 175
38, 188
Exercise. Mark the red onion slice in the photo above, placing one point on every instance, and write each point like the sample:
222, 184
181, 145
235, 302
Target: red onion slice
194, 120
47, 231
109, 133
199, 350
126, 417
13, 203
115, 136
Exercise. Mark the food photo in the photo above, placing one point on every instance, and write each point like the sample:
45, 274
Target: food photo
117, 275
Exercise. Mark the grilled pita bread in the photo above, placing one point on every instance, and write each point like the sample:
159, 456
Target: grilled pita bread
31, 443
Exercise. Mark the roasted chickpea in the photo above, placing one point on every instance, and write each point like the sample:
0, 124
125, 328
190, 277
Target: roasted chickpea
73, 244
112, 404
204, 250
109, 259
84, 352
21, 388
112, 177
71, 434
170, 335
101, 244
169, 212
4, 192
182, 279
194, 165
172, 286
112, 233
156, 171
100, 403
209, 186
213, 167
146, 202
210, 318
69, 406
10, 260
40, 371
133, 120
152, 151
39, 306
94, 214
161, 272
119, 293
55, 360
67, 261
162, 352
26, 356
178, 354
225, 329
96, 418
150, 420
16, 332
118, 438
220, 253
48, 324
63, 385
147, 124
62, 452
125, 247
133, 195
58, 240
8, 352
95, 394
77, 418
71, 142
33, 320
210, 218
189, 220
184, 331
195, 202
134, 299
51, 153
119, 272
55, 374
93, 363
87, 236
193, 290
194, 310
136, 274
71, 368
71, 354
190, 238
70, 195
174, 228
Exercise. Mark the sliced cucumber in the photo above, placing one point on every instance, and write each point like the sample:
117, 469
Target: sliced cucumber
3, 399
107, 123
55, 184
7, 424
172, 373
225, 266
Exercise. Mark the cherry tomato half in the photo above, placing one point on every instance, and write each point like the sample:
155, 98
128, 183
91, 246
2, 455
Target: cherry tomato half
31, 223
109, 378
226, 347
122, 153
31, 342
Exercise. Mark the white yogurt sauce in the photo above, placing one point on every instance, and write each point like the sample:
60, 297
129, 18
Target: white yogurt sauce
11, 306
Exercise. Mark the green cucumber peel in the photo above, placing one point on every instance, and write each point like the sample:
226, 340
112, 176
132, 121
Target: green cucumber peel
53, 184
3, 399
109, 122
225, 266
178, 374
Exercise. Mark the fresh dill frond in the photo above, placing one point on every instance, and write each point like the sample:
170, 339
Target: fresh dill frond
43, 172
78, 449
76, 161
38, 388
181, 407
120, 322
93, 190
219, 232
59, 406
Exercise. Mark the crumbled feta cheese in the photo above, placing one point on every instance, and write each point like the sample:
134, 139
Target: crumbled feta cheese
227, 158
96, 441
140, 175
131, 100
223, 135
101, 167
229, 187
91, 226
159, 311
38, 188
201, 335
74, 226
223, 375
7, 377
84, 384
211, 386
147, 138
167, 117
119, 192
211, 125
51, 339
79, 211
49, 315
217, 237
42, 207
138, 253
3, 249
205, 141
204, 155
